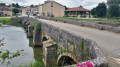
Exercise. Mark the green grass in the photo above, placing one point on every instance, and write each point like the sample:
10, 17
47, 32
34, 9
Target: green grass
3, 20
96, 19
8, 21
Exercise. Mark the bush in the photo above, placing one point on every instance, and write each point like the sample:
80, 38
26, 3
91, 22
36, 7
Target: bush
37, 27
0, 25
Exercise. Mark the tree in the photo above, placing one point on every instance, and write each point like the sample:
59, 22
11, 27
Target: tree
101, 10
114, 10
32, 5
2, 4
15, 10
13, 4
16, 5
114, 7
93, 11
113, 2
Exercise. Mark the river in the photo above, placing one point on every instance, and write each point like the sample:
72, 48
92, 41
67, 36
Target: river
16, 40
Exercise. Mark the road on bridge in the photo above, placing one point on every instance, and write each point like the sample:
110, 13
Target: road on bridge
109, 42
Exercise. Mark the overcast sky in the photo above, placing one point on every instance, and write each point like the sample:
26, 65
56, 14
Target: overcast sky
89, 4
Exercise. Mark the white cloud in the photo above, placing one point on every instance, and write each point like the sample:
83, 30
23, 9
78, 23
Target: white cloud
89, 4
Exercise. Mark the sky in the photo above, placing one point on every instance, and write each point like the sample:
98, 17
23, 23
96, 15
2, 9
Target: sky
88, 4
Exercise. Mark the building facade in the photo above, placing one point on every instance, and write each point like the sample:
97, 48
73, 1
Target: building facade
40, 9
26, 11
5, 11
47, 9
35, 10
52, 7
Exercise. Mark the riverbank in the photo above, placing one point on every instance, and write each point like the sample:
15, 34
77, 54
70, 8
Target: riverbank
9, 21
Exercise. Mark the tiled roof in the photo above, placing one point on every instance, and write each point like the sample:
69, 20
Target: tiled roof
78, 9
5, 8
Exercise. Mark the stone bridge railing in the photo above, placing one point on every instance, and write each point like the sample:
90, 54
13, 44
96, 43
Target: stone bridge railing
65, 43
87, 23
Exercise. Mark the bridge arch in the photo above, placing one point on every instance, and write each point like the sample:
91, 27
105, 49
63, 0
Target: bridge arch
66, 60
44, 38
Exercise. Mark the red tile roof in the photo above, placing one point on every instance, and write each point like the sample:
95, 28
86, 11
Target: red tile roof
78, 9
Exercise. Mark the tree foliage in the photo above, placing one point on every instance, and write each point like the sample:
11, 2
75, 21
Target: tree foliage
16, 5
2, 4
32, 5
113, 2
101, 10
15, 10
93, 11
114, 10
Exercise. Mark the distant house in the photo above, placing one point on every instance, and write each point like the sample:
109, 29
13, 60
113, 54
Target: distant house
77, 12
40, 9
53, 8
35, 10
26, 11
5, 11
30, 10
47, 9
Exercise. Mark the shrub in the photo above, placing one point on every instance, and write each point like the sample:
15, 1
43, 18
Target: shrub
37, 27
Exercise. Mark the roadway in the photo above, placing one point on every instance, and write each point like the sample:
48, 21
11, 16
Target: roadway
108, 41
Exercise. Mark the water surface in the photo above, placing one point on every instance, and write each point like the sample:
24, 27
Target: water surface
16, 40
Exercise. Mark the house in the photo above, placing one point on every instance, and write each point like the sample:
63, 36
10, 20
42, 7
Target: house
40, 9
53, 8
35, 10
5, 11
26, 11
77, 12
47, 9
31, 10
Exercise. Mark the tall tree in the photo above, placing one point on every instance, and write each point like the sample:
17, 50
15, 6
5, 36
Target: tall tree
15, 10
32, 5
17, 5
113, 2
101, 10
93, 11
114, 10
13, 4
2, 4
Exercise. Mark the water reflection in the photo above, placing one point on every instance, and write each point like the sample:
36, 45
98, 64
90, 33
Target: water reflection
16, 40
38, 52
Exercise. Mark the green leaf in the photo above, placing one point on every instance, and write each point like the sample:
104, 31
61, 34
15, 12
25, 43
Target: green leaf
0, 25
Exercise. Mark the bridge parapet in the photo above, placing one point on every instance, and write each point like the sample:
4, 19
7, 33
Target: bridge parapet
96, 25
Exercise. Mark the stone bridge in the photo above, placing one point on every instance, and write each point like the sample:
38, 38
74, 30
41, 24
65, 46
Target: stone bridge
61, 47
